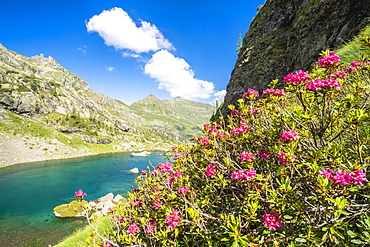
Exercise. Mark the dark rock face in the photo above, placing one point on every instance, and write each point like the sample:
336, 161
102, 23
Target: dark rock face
287, 35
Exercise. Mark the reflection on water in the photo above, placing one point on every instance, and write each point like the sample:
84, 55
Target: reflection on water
29, 192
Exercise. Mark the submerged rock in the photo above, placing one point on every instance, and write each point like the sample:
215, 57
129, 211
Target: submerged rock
74, 209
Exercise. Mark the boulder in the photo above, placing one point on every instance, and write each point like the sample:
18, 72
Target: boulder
107, 197
117, 198
74, 209
134, 170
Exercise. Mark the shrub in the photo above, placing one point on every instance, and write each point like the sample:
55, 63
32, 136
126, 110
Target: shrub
285, 168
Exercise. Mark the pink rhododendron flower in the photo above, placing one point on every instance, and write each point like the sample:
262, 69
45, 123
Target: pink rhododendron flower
283, 158
351, 69
173, 219
135, 203
221, 135
80, 194
183, 190
273, 92
151, 227
203, 141
233, 112
272, 220
342, 177
289, 135
243, 124
237, 131
166, 168
177, 175
355, 64
247, 156
173, 148
338, 75
133, 229
329, 60
254, 111
156, 195
314, 85
330, 83
213, 130
264, 154
206, 126
177, 156
210, 170
251, 93
244, 174
296, 78
154, 172
157, 205
144, 172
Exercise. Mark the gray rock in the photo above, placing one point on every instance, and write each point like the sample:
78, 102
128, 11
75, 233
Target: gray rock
107, 197
117, 198
134, 170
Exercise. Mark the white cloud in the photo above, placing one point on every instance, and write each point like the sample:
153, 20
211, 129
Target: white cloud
219, 97
117, 29
110, 68
175, 76
81, 49
129, 54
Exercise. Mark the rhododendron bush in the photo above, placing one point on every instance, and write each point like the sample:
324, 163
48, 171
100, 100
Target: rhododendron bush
287, 167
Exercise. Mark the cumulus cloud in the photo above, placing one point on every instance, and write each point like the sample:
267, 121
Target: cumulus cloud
219, 97
117, 29
175, 76
110, 68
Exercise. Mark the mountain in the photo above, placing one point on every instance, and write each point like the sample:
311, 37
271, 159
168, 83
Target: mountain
46, 112
287, 35
179, 114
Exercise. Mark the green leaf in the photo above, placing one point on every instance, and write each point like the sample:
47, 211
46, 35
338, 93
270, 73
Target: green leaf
301, 240
288, 217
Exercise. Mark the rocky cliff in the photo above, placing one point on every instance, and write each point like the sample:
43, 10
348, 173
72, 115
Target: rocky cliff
287, 35
47, 112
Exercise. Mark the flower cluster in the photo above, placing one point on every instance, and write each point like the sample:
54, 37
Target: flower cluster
173, 219
317, 84
342, 177
264, 154
247, 156
283, 158
166, 168
80, 194
133, 229
210, 170
203, 141
273, 92
272, 220
183, 190
289, 135
251, 93
296, 78
329, 60
241, 174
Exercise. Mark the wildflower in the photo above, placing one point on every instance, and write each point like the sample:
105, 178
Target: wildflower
233, 112
133, 229
241, 174
329, 60
210, 170
342, 177
203, 141
213, 130
144, 172
283, 158
151, 227
272, 220
251, 93
254, 111
166, 168
351, 69
80, 194
177, 175
247, 156
243, 124
331, 83
338, 75
273, 92
154, 172
296, 78
314, 85
135, 203
237, 131
358, 176
156, 195
355, 64
328, 173
289, 135
177, 156
183, 190
206, 126
221, 135
157, 205
173, 219
264, 154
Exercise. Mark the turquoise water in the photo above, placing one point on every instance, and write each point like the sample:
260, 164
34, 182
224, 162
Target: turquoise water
29, 192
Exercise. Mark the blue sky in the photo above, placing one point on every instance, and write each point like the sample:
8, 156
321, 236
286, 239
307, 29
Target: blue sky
129, 49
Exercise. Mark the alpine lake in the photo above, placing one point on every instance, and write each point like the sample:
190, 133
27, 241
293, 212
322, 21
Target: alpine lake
29, 192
